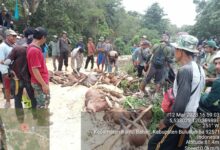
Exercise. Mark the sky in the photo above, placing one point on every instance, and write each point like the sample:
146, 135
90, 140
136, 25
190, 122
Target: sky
180, 12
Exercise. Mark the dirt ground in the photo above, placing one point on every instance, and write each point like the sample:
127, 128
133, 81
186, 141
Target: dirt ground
66, 106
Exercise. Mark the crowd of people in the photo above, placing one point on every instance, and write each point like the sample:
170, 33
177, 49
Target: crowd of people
197, 67
107, 57
23, 64
187, 65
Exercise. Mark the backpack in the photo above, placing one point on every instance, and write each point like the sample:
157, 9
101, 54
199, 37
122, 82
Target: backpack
159, 58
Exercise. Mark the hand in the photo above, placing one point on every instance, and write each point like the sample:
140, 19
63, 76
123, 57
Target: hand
136, 63
45, 89
205, 66
162, 125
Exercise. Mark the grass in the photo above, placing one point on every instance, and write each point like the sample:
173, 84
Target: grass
134, 102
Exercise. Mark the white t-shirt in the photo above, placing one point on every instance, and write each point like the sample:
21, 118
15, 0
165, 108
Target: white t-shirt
74, 52
5, 50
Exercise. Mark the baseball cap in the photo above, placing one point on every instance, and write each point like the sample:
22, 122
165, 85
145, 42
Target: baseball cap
29, 32
39, 32
187, 43
211, 43
10, 32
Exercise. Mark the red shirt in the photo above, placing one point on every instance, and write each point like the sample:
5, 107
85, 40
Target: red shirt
35, 59
91, 48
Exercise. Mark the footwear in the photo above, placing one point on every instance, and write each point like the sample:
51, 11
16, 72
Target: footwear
7, 105
65, 68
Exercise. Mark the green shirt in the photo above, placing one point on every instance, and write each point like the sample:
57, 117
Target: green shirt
166, 49
212, 100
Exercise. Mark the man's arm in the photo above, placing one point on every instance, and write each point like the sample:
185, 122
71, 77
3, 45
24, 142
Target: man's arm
184, 82
214, 94
39, 78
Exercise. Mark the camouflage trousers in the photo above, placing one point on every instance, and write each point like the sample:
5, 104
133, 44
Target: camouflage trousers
42, 99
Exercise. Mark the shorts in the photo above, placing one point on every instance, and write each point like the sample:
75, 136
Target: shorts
158, 75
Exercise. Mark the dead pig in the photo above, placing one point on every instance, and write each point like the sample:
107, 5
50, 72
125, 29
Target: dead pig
95, 101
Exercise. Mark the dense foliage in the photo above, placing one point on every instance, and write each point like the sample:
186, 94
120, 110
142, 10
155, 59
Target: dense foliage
207, 21
93, 19
108, 18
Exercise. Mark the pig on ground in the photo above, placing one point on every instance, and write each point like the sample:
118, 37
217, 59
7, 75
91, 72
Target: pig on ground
95, 101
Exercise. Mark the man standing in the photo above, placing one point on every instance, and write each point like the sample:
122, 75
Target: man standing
108, 48
141, 56
64, 51
20, 67
81, 44
5, 49
188, 85
38, 69
54, 44
91, 53
158, 64
101, 53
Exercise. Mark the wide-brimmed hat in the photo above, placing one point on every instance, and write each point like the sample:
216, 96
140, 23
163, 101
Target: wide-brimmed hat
187, 43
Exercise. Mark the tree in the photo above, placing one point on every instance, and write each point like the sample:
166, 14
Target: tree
154, 19
208, 20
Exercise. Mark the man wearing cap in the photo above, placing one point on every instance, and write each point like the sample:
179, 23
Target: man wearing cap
20, 68
211, 101
101, 53
5, 49
64, 51
54, 44
141, 56
160, 59
187, 88
38, 69
208, 65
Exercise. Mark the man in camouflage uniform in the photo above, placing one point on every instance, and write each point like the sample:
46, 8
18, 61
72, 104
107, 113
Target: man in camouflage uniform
187, 88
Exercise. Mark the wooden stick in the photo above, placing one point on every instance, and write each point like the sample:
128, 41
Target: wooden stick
128, 126
121, 80
98, 80
143, 112
108, 102
79, 81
